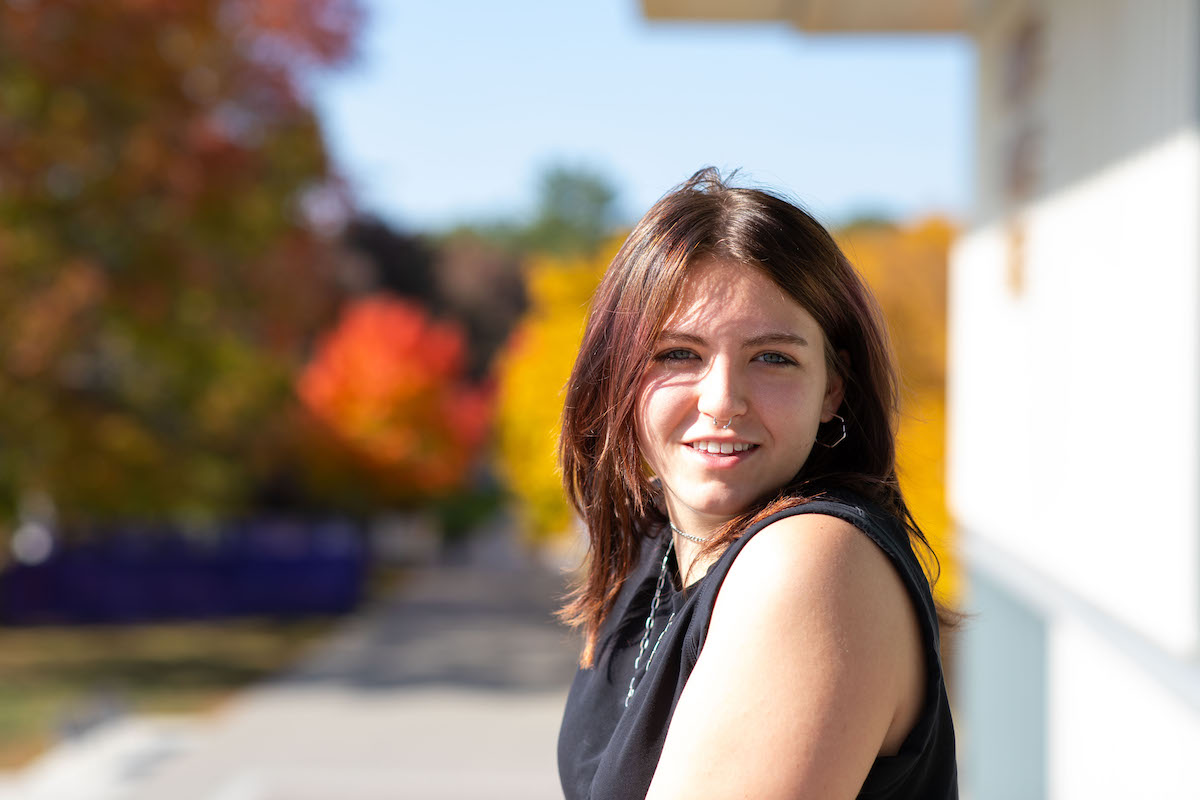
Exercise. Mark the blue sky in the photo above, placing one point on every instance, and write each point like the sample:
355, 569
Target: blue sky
454, 108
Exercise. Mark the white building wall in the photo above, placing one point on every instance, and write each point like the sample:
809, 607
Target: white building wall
1115, 729
1074, 404
1074, 414
1106, 78
1063, 701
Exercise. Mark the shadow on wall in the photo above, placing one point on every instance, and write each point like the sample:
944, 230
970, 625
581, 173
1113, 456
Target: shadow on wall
1001, 680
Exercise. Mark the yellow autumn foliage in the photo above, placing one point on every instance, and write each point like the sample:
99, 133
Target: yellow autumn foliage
532, 375
906, 268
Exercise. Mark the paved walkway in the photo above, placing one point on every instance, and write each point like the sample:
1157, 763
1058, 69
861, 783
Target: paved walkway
452, 689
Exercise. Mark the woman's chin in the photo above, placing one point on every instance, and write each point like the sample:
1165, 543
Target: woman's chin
716, 510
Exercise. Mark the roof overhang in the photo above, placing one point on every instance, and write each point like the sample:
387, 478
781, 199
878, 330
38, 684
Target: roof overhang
823, 16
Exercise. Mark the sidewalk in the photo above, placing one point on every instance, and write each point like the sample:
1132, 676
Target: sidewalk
451, 689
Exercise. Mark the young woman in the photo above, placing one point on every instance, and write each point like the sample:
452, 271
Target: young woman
756, 622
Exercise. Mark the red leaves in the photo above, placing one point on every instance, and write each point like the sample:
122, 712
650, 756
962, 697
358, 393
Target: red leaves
388, 382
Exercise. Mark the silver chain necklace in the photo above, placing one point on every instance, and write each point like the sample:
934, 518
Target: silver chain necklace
649, 626
688, 536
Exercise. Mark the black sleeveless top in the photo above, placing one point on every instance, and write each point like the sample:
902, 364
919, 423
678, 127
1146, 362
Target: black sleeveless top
609, 752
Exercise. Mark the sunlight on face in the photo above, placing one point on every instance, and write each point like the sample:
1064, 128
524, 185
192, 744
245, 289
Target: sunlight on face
728, 409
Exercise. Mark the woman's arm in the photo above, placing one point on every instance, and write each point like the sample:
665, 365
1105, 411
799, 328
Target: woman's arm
812, 667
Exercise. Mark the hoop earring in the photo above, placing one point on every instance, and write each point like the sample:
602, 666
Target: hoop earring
841, 438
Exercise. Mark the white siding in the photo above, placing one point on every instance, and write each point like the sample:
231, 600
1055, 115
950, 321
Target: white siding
1111, 77
1074, 404
1114, 731
1074, 419
1074, 416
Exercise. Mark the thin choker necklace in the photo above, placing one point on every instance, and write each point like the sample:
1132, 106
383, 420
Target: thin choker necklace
688, 536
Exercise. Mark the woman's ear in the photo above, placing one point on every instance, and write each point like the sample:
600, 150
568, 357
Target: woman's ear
835, 387
835, 390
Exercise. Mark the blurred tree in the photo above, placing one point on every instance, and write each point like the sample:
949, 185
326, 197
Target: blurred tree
387, 388
906, 267
397, 262
462, 276
576, 213
483, 288
532, 373
163, 185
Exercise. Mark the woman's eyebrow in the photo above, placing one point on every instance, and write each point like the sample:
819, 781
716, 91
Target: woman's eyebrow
680, 336
776, 338
753, 341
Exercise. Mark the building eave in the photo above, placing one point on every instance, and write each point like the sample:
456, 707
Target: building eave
823, 16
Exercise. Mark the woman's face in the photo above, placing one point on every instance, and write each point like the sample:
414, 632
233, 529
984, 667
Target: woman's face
736, 349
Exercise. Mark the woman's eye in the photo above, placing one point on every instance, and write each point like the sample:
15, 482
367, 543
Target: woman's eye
675, 355
775, 358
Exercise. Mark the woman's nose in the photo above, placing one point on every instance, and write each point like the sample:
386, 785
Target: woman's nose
721, 392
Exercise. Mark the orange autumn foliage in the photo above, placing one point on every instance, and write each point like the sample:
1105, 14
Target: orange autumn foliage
388, 383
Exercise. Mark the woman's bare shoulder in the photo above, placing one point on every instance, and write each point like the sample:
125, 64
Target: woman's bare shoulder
806, 552
812, 659
825, 572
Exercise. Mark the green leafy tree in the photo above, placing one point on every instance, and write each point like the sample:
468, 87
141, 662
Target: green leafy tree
161, 181
576, 213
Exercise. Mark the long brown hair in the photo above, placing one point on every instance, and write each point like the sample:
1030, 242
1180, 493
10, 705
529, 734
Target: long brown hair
601, 463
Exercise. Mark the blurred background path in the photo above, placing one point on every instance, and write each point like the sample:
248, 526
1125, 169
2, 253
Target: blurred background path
450, 688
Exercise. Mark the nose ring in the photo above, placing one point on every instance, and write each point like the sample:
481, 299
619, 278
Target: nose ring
722, 427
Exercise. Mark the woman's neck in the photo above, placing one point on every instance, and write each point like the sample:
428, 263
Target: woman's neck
688, 547
686, 554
